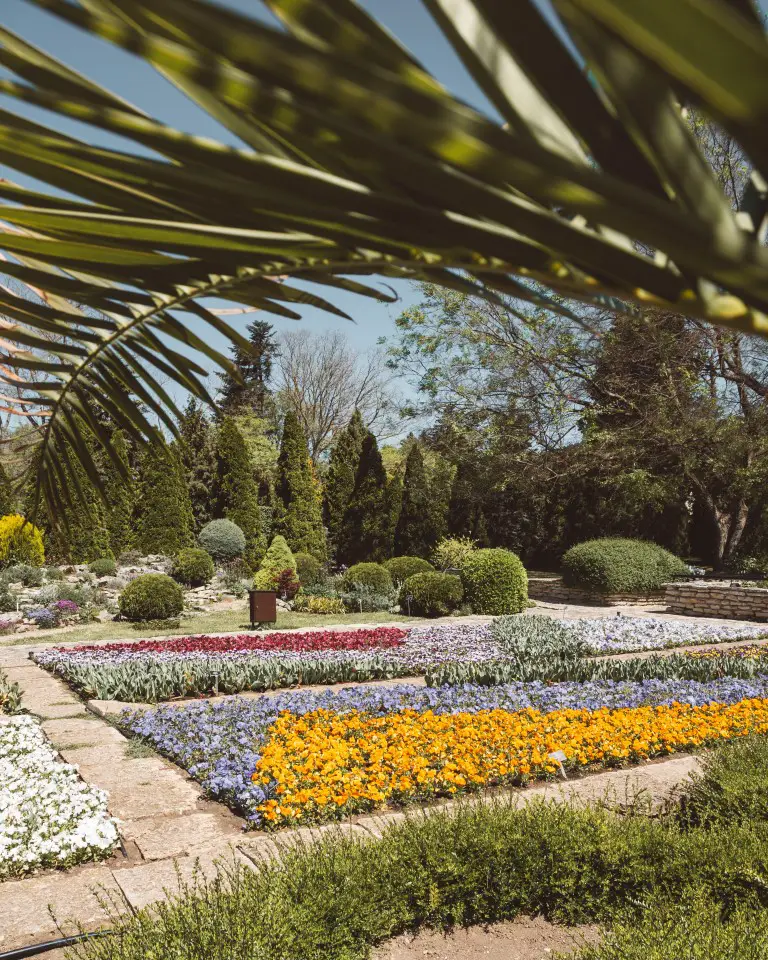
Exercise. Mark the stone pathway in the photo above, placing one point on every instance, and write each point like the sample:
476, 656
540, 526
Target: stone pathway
170, 829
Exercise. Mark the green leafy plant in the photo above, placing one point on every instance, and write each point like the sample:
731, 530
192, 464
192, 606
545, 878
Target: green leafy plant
152, 596
24, 573
20, 542
495, 582
620, 566
372, 575
307, 603
277, 559
10, 695
193, 567
431, 594
309, 569
54, 573
103, 567
400, 568
451, 552
222, 539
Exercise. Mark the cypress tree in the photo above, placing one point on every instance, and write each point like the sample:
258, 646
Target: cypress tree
255, 368
365, 530
237, 495
465, 510
163, 519
121, 497
7, 497
198, 454
416, 533
298, 515
394, 503
340, 478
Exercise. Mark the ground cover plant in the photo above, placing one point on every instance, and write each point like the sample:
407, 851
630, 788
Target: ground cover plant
48, 816
222, 744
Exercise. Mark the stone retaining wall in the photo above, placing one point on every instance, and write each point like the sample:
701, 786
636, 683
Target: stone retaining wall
552, 590
721, 599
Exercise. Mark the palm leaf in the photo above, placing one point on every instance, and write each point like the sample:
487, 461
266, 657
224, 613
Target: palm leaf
355, 163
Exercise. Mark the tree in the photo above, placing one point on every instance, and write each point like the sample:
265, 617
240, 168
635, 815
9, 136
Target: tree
120, 495
340, 476
255, 367
298, 515
416, 533
324, 382
7, 497
365, 533
198, 454
465, 509
163, 520
237, 496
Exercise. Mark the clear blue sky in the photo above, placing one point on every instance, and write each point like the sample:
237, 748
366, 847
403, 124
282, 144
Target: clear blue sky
136, 81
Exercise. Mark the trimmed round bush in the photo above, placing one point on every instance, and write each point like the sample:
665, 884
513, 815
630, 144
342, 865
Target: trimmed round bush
432, 594
152, 596
309, 569
372, 575
193, 566
103, 567
223, 539
616, 565
495, 582
20, 542
400, 568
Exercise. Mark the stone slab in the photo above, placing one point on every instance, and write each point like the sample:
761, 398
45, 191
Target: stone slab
24, 914
162, 795
86, 730
159, 838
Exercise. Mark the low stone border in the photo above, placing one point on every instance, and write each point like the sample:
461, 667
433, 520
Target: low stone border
553, 590
717, 600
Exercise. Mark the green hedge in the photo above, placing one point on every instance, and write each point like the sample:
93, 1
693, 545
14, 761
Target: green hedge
152, 596
616, 565
372, 575
431, 594
495, 582
193, 566
400, 568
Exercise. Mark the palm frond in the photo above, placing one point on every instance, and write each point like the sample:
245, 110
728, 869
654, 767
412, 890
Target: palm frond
355, 163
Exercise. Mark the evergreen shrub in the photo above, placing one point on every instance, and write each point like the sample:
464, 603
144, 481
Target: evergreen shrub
495, 582
152, 596
372, 575
400, 568
277, 559
223, 539
306, 603
193, 566
24, 573
309, 569
54, 573
617, 565
451, 552
20, 542
431, 594
103, 567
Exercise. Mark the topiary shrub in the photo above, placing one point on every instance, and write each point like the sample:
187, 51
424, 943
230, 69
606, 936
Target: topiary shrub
193, 566
371, 575
309, 569
431, 594
277, 559
616, 565
152, 596
223, 539
20, 542
400, 568
495, 582
103, 567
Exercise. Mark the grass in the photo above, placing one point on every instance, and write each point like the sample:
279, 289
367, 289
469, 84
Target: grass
657, 881
218, 621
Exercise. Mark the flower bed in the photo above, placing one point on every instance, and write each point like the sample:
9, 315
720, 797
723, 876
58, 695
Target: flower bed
620, 634
48, 816
223, 744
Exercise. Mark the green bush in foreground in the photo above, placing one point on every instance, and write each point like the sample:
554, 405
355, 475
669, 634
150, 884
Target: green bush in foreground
400, 568
372, 575
495, 582
431, 594
615, 565
152, 596
475, 865
193, 567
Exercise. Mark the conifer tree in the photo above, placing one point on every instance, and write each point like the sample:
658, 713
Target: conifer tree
365, 530
120, 494
394, 503
198, 454
298, 515
163, 519
255, 368
340, 478
465, 511
416, 533
7, 497
237, 495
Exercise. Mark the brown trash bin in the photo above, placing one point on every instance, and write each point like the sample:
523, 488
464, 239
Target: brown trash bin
263, 607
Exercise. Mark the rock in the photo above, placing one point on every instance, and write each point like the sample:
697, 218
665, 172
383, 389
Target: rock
104, 616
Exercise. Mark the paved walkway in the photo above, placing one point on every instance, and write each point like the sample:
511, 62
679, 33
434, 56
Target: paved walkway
170, 829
